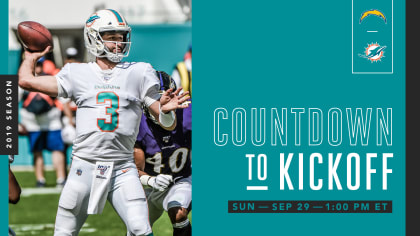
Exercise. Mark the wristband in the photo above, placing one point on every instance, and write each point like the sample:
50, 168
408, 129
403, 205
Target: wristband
144, 179
166, 120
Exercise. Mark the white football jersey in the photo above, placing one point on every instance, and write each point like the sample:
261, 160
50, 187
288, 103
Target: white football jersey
108, 106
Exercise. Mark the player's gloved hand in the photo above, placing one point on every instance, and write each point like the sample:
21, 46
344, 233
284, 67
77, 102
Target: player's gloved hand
160, 182
163, 181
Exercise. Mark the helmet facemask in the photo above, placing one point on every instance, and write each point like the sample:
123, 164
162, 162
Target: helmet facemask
125, 45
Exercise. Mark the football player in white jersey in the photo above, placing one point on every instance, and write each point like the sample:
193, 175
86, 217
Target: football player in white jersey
109, 95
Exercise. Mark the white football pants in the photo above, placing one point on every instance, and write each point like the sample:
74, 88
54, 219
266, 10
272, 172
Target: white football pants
126, 195
178, 195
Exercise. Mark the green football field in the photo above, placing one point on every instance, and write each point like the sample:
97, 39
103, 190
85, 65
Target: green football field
35, 212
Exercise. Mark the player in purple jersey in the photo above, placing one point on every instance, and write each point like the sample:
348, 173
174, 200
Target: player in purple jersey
163, 159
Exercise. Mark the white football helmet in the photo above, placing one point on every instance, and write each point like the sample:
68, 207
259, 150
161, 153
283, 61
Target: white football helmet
106, 21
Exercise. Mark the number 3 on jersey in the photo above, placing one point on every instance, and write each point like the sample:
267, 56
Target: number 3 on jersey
110, 111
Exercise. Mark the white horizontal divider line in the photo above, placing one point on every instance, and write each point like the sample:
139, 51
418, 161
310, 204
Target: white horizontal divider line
256, 187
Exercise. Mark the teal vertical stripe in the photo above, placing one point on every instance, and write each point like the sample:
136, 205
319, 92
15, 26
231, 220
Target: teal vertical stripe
4, 47
4, 172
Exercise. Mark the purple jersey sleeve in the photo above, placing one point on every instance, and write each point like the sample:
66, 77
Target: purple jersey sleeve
187, 112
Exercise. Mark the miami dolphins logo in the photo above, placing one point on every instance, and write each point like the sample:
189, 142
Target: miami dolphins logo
92, 19
372, 12
373, 52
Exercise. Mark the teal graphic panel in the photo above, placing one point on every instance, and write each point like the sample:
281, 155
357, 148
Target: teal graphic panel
289, 137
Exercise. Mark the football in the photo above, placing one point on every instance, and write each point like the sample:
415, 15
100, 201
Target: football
34, 36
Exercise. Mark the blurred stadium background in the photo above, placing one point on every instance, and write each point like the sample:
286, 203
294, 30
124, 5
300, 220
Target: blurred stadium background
161, 34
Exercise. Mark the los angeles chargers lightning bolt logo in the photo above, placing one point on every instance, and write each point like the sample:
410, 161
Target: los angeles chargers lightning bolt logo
373, 12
